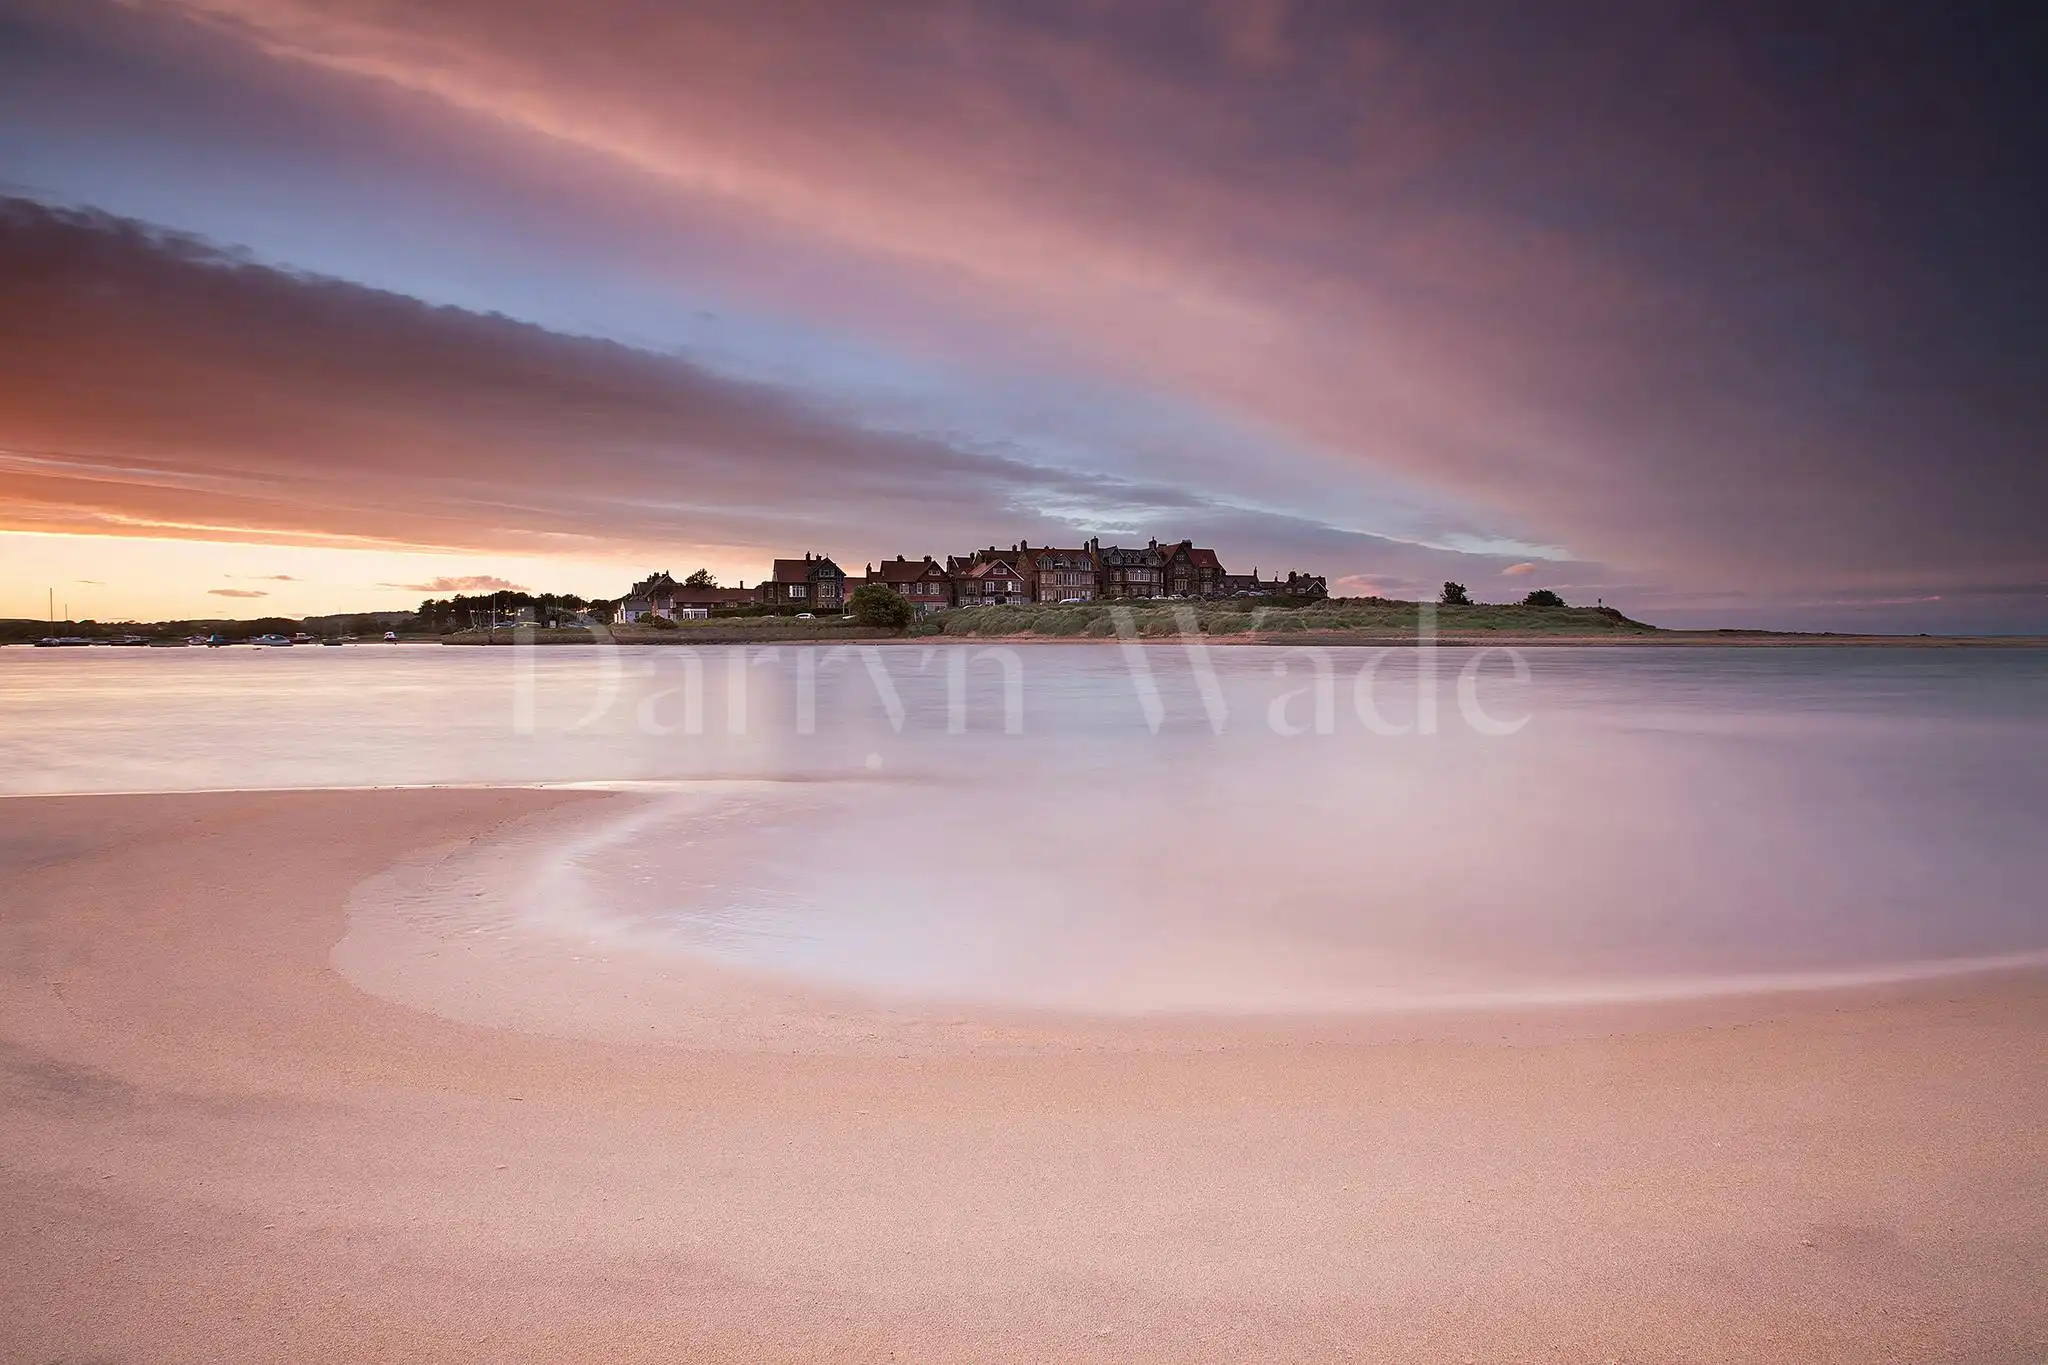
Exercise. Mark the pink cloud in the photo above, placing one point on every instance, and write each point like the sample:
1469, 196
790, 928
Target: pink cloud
466, 583
1288, 215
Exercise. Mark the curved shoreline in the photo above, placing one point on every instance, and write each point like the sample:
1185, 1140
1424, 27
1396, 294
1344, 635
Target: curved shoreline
515, 953
217, 1148
1650, 992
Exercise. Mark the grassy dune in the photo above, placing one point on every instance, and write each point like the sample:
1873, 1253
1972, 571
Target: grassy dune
1368, 617
1321, 622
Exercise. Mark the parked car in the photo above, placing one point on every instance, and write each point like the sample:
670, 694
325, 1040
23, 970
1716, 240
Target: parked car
806, 616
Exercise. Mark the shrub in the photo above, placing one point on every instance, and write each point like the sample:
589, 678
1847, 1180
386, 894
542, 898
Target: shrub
876, 605
1543, 597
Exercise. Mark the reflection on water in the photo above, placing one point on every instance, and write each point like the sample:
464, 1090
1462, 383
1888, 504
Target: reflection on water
1184, 839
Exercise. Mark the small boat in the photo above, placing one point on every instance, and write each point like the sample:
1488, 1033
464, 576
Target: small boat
390, 637
334, 642
273, 641
302, 638
63, 642
197, 640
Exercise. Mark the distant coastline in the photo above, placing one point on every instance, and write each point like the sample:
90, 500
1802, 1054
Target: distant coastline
1332, 623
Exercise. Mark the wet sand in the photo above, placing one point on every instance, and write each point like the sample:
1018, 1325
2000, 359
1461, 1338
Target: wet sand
217, 1145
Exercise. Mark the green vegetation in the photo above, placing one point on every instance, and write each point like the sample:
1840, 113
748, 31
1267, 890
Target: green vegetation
1285, 620
702, 578
1279, 620
879, 607
1454, 595
1543, 597
442, 615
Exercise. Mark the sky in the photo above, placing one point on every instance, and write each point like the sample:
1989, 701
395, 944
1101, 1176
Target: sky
1728, 315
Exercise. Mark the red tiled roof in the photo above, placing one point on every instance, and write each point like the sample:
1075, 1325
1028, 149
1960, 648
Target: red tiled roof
1205, 559
992, 568
902, 571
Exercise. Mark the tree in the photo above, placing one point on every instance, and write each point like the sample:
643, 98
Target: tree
1455, 595
1543, 597
875, 604
701, 579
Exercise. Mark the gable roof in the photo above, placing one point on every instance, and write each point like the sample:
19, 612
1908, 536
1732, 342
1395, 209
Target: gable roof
992, 568
901, 570
1038, 556
802, 570
651, 584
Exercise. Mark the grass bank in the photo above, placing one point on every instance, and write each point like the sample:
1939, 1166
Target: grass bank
1316, 622
1310, 623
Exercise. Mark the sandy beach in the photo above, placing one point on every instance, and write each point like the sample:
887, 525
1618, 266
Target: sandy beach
219, 1145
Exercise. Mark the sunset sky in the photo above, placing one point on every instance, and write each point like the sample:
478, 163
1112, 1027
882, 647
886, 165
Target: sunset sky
1726, 314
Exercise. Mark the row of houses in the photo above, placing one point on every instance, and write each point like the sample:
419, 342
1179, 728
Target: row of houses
1023, 573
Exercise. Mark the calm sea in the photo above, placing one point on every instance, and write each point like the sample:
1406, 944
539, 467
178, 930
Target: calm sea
1157, 829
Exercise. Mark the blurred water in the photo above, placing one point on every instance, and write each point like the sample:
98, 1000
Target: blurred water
1166, 833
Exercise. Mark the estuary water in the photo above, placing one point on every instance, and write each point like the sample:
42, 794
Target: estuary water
1163, 828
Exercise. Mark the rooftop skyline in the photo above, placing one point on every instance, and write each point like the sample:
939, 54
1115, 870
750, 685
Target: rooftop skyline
1728, 316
